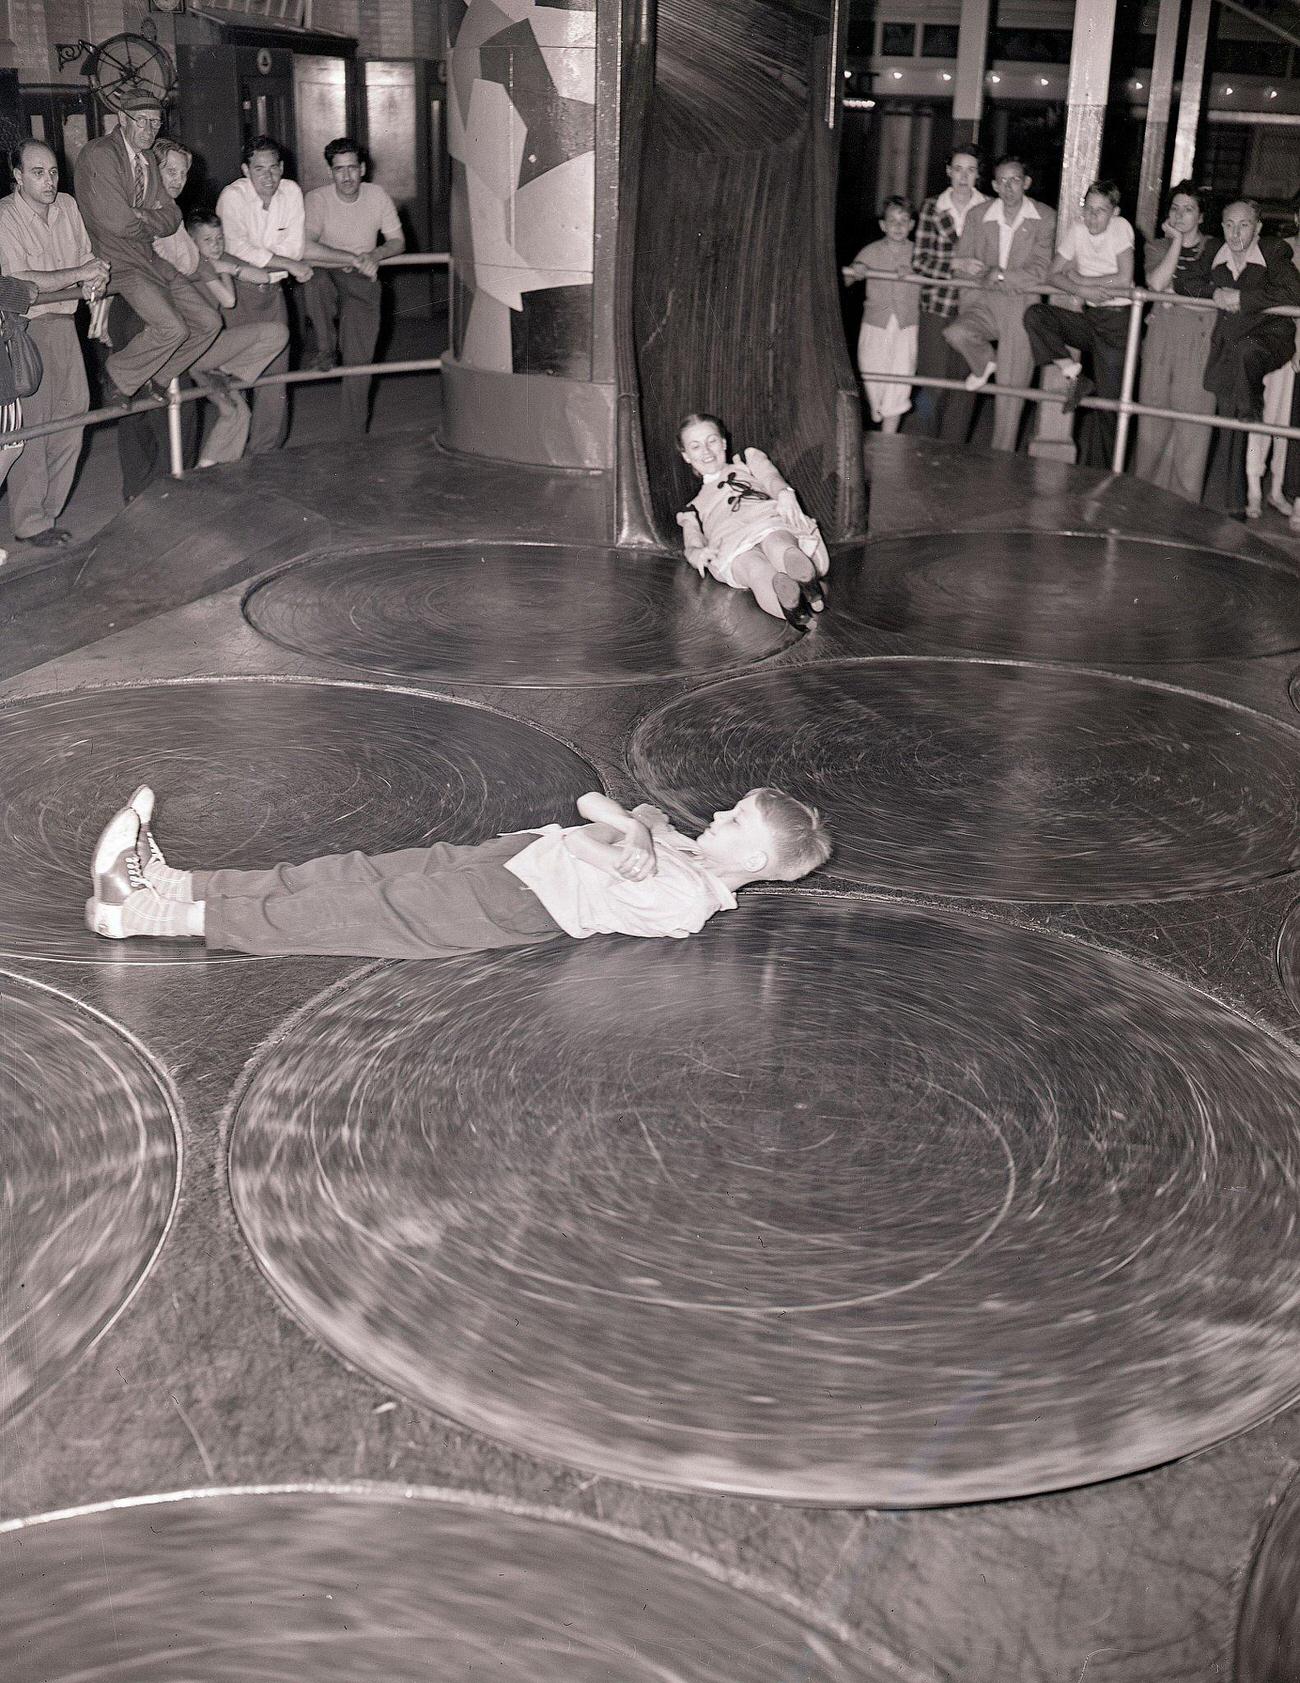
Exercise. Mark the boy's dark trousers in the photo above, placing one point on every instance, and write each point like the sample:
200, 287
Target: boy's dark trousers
420, 902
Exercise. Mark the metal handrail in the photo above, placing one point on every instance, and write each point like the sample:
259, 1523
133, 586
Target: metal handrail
176, 397
1134, 299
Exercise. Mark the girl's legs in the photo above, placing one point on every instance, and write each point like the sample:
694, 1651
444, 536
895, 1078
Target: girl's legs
787, 557
775, 591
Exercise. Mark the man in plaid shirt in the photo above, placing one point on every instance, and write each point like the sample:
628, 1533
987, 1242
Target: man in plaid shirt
943, 414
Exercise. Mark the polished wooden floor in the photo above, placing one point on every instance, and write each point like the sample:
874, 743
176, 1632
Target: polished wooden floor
895, 1281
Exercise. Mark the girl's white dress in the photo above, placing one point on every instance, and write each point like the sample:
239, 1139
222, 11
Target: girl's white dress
735, 509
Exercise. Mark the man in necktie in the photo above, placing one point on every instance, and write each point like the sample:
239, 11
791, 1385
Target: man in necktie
125, 208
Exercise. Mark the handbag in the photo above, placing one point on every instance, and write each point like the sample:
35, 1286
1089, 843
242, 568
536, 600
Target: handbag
24, 359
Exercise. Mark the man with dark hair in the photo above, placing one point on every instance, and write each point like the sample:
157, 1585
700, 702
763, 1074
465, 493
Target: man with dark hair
346, 222
121, 196
262, 223
1007, 247
44, 240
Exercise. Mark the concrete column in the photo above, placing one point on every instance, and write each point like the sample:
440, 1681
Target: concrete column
1193, 85
1094, 30
1151, 180
521, 383
968, 88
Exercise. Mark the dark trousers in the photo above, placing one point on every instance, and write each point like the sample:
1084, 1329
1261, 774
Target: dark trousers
1100, 334
1241, 354
176, 325
344, 310
420, 902
936, 413
142, 448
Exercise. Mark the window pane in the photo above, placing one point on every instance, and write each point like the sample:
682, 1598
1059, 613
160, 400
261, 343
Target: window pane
939, 40
898, 40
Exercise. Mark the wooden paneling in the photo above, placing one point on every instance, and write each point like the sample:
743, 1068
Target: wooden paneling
735, 291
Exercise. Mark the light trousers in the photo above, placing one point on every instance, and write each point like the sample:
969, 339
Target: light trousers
41, 477
986, 319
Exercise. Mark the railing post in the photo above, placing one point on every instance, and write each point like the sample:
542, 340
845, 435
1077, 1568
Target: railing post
175, 445
1127, 382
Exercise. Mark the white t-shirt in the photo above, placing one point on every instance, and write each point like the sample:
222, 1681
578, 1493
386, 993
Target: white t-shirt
354, 227
1095, 255
679, 899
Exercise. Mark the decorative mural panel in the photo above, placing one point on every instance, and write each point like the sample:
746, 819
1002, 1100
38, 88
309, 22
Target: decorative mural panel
522, 137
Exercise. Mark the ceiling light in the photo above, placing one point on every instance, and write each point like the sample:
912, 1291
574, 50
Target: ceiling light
947, 76
1044, 82
994, 77
1138, 86
1227, 90
898, 77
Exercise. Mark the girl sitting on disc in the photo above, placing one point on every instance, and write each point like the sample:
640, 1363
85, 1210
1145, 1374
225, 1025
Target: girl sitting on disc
745, 527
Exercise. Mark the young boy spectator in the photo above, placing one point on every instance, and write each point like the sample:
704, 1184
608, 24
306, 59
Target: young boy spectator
1093, 263
621, 872
247, 344
347, 220
887, 340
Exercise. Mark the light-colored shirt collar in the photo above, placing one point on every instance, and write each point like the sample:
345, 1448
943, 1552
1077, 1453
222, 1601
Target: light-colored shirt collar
1225, 256
945, 201
1028, 212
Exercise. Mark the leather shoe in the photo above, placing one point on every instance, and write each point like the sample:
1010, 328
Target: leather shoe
114, 874
1081, 386
147, 849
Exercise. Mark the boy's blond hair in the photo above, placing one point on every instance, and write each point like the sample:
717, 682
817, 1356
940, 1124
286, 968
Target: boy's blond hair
802, 842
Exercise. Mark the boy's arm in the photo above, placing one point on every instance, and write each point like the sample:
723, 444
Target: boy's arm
617, 842
653, 817
613, 851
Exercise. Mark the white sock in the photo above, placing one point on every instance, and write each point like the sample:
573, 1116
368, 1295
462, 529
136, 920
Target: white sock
147, 913
170, 883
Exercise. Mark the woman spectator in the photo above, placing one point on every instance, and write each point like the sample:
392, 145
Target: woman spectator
1172, 454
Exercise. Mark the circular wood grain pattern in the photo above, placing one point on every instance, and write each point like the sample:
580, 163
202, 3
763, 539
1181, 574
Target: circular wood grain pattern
250, 772
88, 1173
1075, 596
994, 780
528, 614
840, 1201
287, 1586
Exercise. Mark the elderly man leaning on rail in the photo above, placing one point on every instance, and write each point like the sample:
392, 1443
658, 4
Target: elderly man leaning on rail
1007, 247
1249, 274
43, 240
125, 206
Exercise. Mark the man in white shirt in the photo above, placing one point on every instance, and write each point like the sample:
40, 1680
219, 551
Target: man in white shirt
263, 225
1006, 246
348, 220
44, 240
